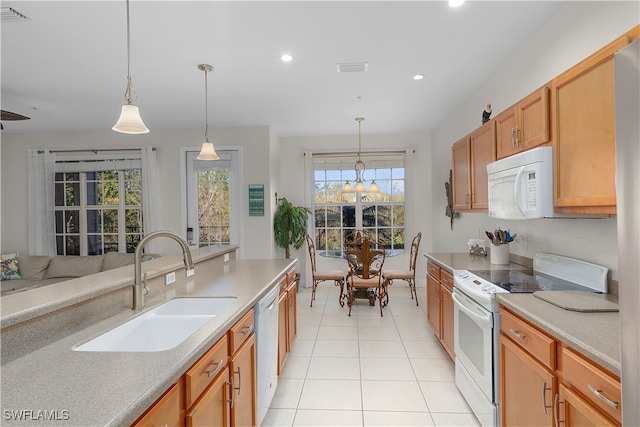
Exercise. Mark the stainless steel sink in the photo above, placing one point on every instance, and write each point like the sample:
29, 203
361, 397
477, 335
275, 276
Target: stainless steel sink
161, 328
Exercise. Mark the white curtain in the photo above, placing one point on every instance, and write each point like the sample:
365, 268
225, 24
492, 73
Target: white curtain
149, 196
308, 201
41, 189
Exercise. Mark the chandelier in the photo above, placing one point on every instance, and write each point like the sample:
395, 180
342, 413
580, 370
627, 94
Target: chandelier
359, 168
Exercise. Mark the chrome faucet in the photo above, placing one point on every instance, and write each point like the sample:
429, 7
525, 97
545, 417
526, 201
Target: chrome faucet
140, 283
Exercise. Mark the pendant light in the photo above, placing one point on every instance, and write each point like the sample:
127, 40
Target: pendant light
130, 121
360, 167
207, 152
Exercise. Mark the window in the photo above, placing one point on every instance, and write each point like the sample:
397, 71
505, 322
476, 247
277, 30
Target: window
213, 199
380, 215
98, 211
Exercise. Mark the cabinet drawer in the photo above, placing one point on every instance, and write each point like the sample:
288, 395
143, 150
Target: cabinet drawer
205, 370
446, 278
291, 276
527, 336
433, 269
593, 382
240, 332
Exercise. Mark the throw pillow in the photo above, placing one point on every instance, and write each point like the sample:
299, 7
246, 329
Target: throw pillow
9, 267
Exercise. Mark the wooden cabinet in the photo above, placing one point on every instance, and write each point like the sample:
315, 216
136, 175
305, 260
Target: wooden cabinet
544, 382
583, 119
575, 411
287, 317
282, 331
470, 157
167, 411
523, 126
527, 388
242, 367
212, 407
440, 304
600, 390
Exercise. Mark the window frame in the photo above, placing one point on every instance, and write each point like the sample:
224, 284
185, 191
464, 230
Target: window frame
342, 170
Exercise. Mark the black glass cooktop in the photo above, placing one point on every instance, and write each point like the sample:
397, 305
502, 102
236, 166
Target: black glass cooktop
527, 281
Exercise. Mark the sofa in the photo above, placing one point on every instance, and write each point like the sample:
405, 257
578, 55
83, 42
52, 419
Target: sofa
21, 272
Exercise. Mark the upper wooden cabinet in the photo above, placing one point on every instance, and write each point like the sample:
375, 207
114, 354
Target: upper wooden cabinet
523, 126
583, 120
471, 155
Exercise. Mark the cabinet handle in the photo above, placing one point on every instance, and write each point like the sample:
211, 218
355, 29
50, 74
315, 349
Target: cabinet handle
517, 128
518, 334
513, 137
232, 400
216, 366
239, 381
246, 329
544, 392
602, 397
556, 410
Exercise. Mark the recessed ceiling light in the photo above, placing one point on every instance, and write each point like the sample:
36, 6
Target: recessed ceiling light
286, 57
418, 77
455, 3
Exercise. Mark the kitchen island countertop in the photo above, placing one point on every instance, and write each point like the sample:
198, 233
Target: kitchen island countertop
71, 388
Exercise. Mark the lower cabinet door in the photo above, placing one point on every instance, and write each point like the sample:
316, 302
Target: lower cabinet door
212, 407
446, 321
166, 412
574, 411
243, 374
527, 389
282, 331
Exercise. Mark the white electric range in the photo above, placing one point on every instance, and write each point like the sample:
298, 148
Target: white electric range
477, 320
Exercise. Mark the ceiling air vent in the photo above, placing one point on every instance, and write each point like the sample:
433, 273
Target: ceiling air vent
353, 67
9, 14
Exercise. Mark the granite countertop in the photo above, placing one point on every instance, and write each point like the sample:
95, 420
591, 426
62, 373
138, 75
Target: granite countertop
596, 335
115, 388
464, 261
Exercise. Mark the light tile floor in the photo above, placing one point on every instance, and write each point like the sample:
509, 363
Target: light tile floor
366, 370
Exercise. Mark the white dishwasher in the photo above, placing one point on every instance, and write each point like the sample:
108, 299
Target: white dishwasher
266, 329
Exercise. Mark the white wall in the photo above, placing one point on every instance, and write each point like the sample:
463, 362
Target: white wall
577, 30
254, 142
417, 216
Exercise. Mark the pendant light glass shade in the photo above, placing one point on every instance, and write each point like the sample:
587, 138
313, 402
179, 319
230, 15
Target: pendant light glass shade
373, 188
347, 188
130, 121
207, 152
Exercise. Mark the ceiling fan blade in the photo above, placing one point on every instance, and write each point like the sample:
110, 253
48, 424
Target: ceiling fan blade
8, 115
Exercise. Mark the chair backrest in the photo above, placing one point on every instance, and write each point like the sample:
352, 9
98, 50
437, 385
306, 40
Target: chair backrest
354, 238
312, 252
364, 262
415, 245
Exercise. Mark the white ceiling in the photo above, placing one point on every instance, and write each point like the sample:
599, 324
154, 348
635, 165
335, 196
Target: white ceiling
66, 67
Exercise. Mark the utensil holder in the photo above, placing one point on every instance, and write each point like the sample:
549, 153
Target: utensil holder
499, 254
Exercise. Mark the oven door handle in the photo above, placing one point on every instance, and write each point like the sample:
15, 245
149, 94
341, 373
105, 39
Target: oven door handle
480, 319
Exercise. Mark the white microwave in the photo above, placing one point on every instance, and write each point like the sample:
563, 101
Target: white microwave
521, 186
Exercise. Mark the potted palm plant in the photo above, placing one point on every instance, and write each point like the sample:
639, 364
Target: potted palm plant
290, 225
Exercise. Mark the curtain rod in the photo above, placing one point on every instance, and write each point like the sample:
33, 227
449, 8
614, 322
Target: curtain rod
366, 153
94, 150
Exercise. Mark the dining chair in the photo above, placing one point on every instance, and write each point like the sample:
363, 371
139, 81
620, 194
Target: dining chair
321, 276
409, 275
365, 272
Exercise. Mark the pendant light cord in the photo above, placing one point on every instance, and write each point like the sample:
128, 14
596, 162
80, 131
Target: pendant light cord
129, 88
206, 105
